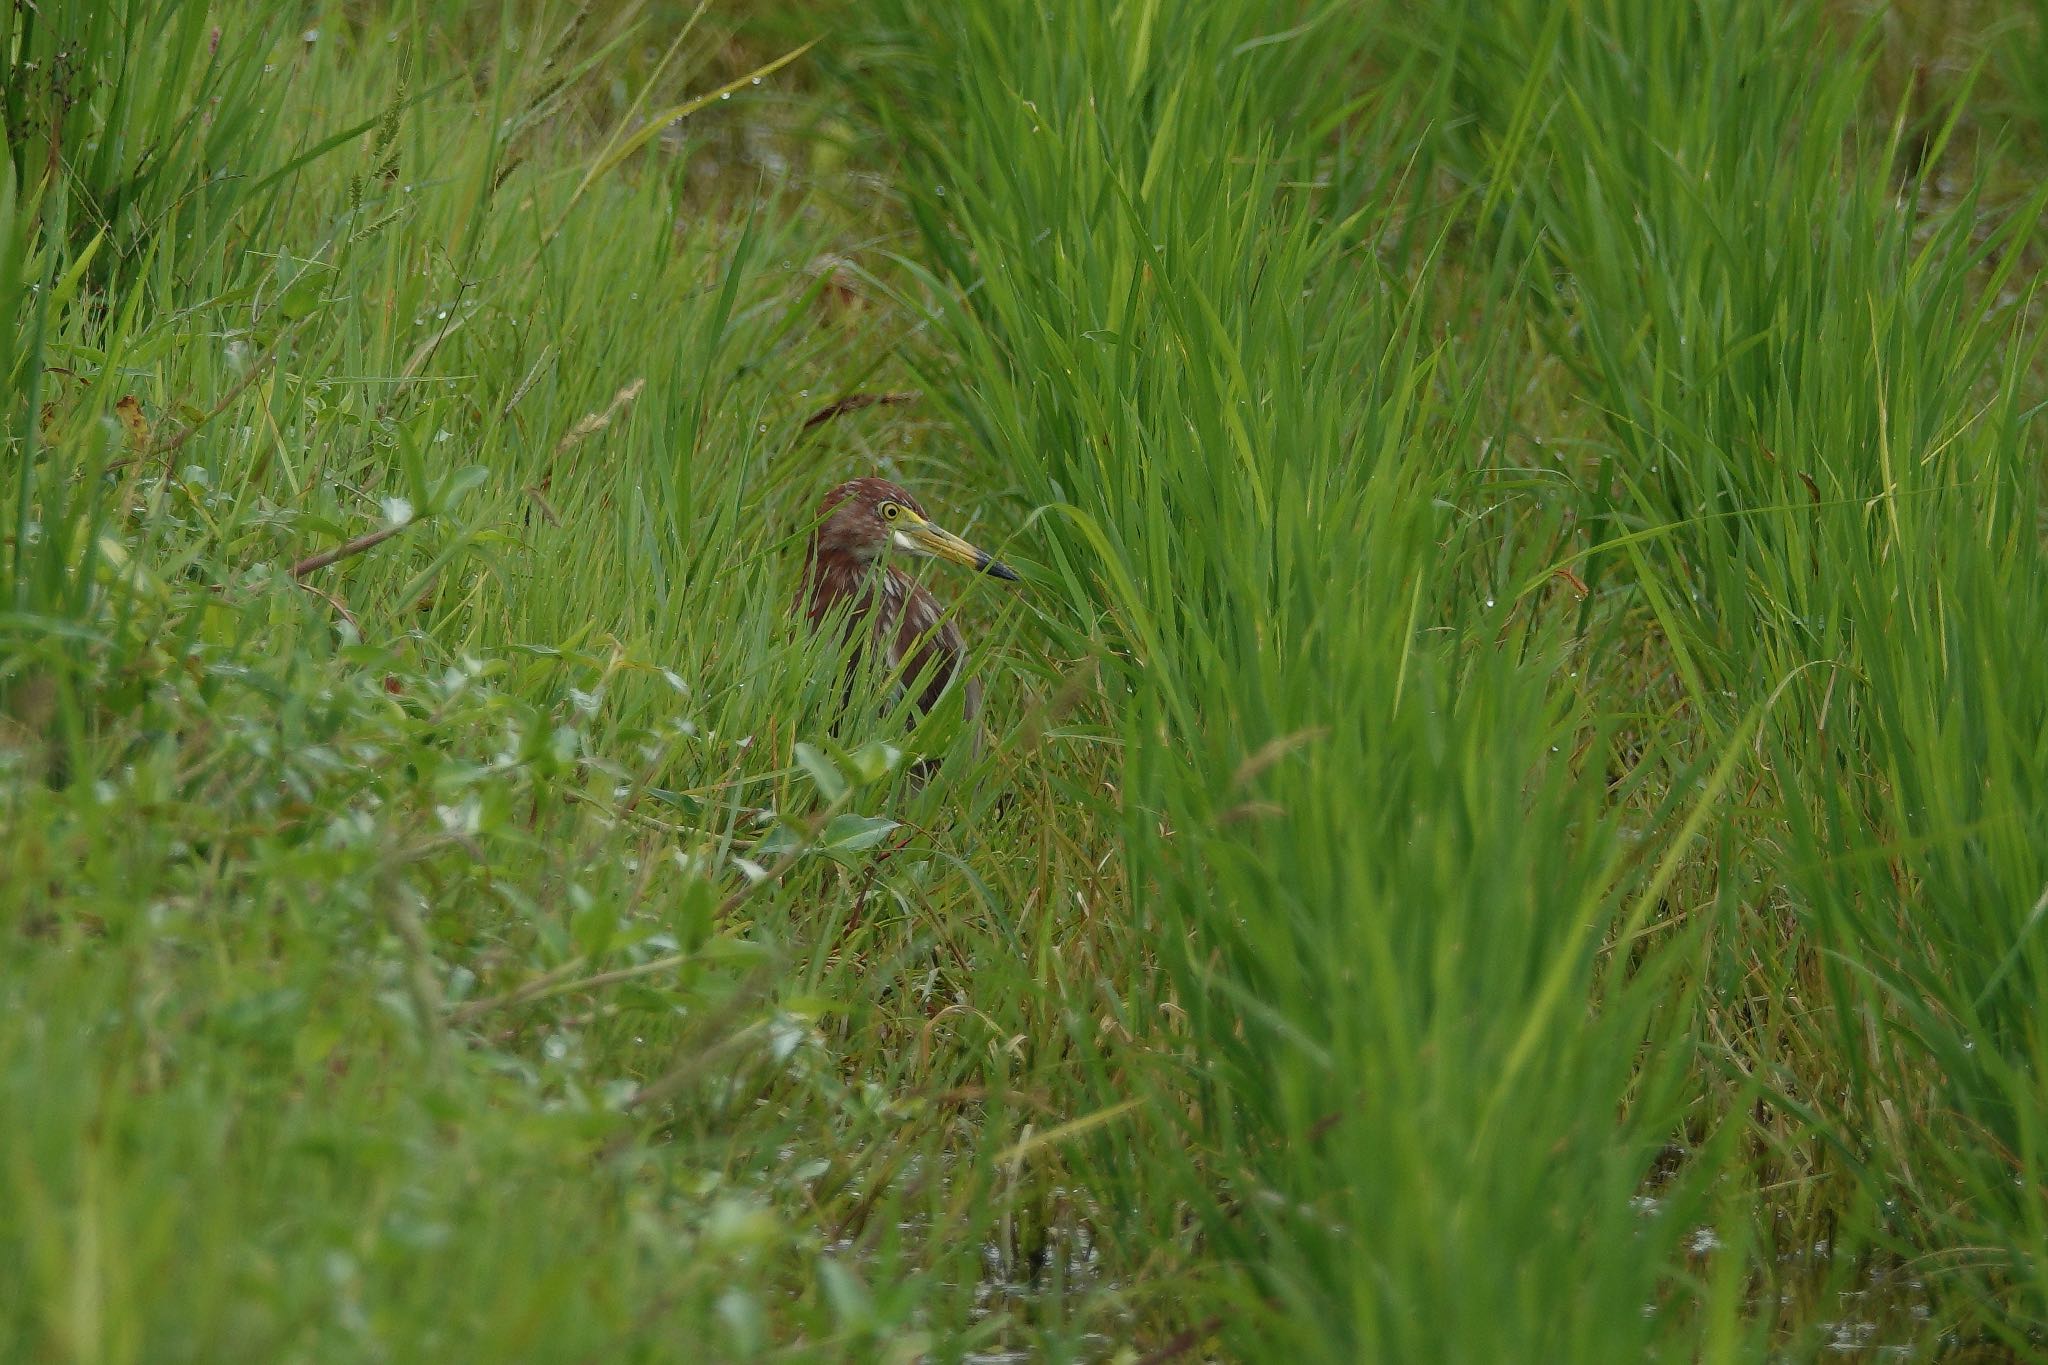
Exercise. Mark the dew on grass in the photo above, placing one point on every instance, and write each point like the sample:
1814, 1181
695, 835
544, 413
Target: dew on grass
1844, 1337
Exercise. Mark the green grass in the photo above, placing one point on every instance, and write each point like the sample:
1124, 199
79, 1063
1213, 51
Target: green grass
1519, 820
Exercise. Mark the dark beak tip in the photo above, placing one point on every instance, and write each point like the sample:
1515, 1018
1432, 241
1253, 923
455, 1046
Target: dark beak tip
995, 568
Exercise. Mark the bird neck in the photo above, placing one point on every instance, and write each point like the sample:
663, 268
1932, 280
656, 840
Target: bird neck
839, 576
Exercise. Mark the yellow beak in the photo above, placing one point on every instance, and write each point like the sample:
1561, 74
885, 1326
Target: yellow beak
923, 538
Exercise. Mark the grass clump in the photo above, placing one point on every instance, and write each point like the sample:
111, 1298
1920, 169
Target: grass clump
1515, 824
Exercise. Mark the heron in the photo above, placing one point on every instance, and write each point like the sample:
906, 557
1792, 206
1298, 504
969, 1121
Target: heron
861, 524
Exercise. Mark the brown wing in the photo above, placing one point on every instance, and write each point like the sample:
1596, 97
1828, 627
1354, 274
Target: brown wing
926, 650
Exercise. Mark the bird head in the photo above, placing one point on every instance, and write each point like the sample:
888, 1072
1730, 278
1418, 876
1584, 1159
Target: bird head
865, 519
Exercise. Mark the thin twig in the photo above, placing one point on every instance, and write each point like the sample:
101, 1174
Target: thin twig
547, 981
679, 1077
854, 402
340, 608
365, 541
532, 990
235, 390
426, 350
558, 980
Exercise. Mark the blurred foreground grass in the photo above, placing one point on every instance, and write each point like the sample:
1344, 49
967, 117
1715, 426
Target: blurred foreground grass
1519, 825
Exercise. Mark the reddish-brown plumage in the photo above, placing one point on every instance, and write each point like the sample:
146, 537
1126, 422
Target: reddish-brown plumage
858, 529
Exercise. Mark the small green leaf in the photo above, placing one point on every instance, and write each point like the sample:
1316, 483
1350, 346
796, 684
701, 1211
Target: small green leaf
457, 485
682, 801
745, 952
592, 928
694, 916
874, 760
302, 298
830, 784
413, 467
852, 833
739, 1224
847, 1295
745, 1324
776, 842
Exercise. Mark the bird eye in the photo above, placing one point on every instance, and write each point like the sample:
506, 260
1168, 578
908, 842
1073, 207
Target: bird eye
889, 511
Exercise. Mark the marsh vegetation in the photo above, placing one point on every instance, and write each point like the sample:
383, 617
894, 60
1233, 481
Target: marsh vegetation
1517, 819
